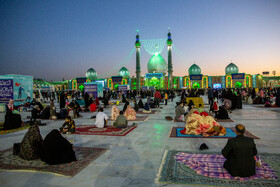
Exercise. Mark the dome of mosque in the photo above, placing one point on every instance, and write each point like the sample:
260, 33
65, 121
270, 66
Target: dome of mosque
157, 64
231, 68
124, 72
194, 70
91, 74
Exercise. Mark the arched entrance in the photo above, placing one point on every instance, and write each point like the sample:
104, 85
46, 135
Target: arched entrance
195, 85
154, 82
238, 85
116, 87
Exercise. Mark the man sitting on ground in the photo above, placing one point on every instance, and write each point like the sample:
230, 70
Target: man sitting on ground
68, 126
101, 119
179, 112
121, 121
240, 152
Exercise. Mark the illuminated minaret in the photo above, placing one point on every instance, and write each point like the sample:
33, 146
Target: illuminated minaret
170, 66
138, 68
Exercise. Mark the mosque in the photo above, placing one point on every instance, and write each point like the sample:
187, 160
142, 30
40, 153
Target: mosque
160, 76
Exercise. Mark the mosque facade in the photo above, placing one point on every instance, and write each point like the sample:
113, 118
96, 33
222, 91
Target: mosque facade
160, 76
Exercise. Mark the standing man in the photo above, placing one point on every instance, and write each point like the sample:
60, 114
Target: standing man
157, 98
210, 96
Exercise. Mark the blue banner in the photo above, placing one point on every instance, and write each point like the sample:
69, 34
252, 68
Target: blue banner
254, 77
117, 79
81, 80
156, 75
123, 89
6, 90
91, 89
195, 77
238, 75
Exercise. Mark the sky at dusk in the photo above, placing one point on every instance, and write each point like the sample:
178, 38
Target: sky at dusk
63, 39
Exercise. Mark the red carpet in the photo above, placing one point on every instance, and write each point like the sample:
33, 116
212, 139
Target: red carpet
108, 131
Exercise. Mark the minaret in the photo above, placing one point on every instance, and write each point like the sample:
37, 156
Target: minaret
138, 68
170, 66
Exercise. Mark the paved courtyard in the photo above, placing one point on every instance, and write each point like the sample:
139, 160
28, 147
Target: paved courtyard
134, 159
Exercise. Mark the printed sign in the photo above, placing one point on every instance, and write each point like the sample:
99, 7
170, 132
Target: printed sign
123, 89
238, 75
91, 89
156, 75
117, 79
195, 77
6, 90
81, 80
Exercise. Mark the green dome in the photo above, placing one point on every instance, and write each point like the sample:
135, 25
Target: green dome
91, 74
231, 68
124, 72
157, 64
194, 70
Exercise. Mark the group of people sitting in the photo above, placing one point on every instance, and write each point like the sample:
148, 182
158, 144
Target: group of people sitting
54, 149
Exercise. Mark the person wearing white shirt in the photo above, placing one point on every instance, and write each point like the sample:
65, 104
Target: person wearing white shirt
101, 119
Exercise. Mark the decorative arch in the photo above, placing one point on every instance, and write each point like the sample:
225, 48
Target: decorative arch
74, 84
228, 81
204, 81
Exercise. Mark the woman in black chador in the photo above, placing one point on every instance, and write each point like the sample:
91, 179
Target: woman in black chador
56, 149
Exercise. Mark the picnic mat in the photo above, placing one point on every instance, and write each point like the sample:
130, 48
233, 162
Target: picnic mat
175, 133
194, 168
84, 155
107, 131
2, 131
152, 112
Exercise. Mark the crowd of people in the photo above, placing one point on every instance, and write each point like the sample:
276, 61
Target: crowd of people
199, 120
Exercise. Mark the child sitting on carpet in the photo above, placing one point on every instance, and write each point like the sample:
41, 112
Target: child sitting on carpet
68, 126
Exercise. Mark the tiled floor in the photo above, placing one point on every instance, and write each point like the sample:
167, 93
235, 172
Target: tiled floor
134, 160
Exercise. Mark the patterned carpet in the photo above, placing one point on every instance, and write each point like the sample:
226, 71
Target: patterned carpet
108, 131
13, 130
138, 118
175, 133
152, 112
85, 155
172, 171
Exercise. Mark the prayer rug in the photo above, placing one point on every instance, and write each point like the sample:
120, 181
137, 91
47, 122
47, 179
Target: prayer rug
152, 112
175, 133
2, 131
224, 120
138, 118
84, 155
194, 168
107, 131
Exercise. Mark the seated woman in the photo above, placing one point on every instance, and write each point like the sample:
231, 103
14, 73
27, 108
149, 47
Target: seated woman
68, 126
136, 107
147, 108
115, 112
121, 121
53, 114
12, 118
140, 104
202, 124
31, 145
179, 112
125, 106
222, 113
130, 113
56, 149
